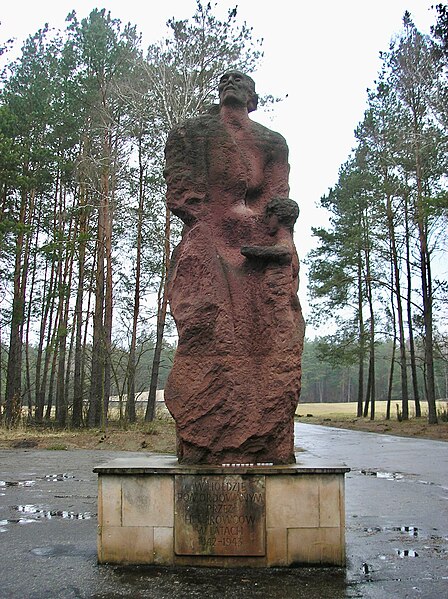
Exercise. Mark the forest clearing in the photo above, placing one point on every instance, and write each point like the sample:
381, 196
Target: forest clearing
159, 436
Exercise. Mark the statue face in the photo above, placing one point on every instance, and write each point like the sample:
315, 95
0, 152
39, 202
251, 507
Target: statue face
235, 88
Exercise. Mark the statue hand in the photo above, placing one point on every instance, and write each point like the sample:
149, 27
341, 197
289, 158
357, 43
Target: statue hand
268, 253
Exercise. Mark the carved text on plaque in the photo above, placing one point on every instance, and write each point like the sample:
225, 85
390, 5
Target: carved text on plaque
220, 515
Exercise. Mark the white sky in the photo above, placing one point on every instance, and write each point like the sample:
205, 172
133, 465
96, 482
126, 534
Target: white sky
322, 53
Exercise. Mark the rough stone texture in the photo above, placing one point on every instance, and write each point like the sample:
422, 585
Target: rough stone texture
232, 287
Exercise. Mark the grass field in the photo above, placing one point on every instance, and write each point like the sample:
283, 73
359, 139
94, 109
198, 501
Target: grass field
349, 409
343, 415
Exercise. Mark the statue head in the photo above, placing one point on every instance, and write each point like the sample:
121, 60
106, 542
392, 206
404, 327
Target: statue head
237, 88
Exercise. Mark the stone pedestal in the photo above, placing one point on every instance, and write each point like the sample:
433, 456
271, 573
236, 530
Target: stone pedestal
151, 510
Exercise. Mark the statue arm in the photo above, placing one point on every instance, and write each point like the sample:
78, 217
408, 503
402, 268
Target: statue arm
185, 193
277, 170
280, 254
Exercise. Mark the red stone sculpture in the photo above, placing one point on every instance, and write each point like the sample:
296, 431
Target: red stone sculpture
232, 286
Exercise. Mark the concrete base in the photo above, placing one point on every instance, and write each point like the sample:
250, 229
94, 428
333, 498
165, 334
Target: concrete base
151, 510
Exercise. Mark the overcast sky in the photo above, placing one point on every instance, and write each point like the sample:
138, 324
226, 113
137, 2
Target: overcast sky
323, 54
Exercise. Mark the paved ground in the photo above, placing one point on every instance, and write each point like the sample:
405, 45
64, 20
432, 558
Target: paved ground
396, 510
397, 529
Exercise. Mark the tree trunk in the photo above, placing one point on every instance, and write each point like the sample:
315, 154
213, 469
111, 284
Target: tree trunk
428, 336
161, 316
372, 363
368, 390
394, 340
397, 288
47, 300
78, 389
108, 307
68, 368
13, 393
370, 393
33, 230
86, 354
391, 378
48, 303
426, 282
361, 340
130, 404
97, 373
61, 393
412, 355
51, 383
50, 347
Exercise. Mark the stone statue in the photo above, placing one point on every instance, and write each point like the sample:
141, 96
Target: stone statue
232, 286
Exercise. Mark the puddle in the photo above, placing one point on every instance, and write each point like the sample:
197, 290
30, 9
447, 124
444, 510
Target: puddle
411, 531
385, 475
44, 551
389, 475
366, 568
58, 477
406, 553
64, 550
40, 513
17, 483
402, 553
16, 521
34, 513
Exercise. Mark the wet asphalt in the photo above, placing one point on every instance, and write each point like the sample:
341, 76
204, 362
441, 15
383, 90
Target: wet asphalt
396, 528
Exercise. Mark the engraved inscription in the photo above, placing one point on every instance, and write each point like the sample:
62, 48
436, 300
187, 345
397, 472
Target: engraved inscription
220, 515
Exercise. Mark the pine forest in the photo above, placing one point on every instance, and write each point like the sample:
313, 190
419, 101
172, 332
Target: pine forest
86, 238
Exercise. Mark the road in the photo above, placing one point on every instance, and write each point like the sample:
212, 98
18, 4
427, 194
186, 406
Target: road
396, 509
396, 513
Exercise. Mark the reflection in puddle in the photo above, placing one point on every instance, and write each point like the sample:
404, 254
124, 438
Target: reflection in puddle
58, 550
37, 513
58, 477
389, 475
406, 553
40, 513
386, 475
15, 521
366, 568
412, 531
19, 483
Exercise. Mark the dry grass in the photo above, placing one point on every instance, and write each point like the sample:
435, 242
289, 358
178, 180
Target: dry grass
158, 437
350, 408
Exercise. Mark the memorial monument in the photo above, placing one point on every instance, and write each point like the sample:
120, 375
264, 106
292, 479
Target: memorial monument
234, 496
232, 287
